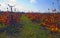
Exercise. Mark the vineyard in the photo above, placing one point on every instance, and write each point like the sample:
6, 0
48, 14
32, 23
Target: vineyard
29, 25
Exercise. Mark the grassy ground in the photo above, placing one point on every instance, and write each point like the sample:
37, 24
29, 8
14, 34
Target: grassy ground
30, 30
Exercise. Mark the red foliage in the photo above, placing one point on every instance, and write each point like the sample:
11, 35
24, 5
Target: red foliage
48, 20
5, 17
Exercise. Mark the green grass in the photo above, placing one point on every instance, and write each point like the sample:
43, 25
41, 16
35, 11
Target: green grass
32, 30
2, 25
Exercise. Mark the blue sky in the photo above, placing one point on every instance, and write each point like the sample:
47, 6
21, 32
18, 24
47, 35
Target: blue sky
29, 5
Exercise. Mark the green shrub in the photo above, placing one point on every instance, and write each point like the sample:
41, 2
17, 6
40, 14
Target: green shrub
2, 25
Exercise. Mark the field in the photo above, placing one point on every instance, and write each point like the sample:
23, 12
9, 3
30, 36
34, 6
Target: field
29, 25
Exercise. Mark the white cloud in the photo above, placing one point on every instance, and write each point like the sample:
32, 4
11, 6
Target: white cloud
5, 3
32, 1
19, 7
22, 7
12, 2
3, 6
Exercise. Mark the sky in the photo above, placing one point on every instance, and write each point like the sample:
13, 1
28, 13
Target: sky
29, 5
